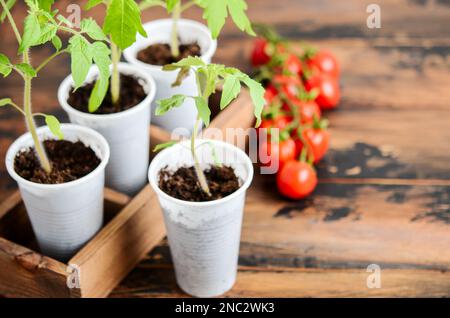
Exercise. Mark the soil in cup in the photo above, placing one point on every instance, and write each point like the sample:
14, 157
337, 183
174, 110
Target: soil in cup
70, 161
183, 183
131, 94
160, 54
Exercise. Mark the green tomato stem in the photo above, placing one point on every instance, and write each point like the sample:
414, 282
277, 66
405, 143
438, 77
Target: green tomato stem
49, 59
11, 21
115, 76
43, 159
198, 170
174, 45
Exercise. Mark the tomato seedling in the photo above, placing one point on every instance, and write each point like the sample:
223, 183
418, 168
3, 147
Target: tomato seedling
122, 23
214, 12
209, 77
41, 26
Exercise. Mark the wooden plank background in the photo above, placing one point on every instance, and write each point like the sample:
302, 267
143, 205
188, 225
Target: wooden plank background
384, 195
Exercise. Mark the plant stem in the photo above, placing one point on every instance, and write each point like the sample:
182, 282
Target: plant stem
187, 5
43, 159
115, 76
31, 125
43, 64
146, 5
174, 45
198, 170
11, 21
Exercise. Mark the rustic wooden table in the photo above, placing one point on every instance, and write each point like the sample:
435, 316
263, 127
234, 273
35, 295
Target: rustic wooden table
384, 192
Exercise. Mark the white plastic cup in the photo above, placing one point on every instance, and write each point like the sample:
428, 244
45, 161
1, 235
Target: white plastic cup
64, 216
204, 237
127, 132
159, 31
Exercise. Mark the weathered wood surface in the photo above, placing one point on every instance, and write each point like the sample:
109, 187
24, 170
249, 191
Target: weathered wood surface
384, 196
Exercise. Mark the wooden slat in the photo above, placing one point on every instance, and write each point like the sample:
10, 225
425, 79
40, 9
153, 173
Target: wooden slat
120, 245
116, 197
159, 281
25, 273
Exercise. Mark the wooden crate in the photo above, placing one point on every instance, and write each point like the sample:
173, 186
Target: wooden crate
132, 228
130, 231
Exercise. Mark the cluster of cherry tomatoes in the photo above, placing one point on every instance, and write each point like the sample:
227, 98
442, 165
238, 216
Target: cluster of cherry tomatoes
299, 86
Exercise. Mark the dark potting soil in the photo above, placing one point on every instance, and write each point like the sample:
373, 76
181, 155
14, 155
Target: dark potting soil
131, 94
183, 183
159, 54
70, 161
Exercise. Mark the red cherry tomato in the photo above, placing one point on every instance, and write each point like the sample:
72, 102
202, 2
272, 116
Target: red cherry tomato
308, 110
326, 63
294, 64
296, 180
328, 87
318, 141
259, 54
290, 85
270, 94
285, 150
279, 122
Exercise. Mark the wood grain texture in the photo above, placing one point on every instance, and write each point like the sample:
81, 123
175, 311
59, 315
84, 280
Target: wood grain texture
384, 193
282, 282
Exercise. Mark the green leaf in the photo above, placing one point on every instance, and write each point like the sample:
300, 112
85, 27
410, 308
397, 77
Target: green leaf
237, 10
27, 69
231, 89
93, 3
31, 33
184, 66
48, 32
257, 94
92, 29
5, 65
190, 61
171, 4
81, 56
46, 4
5, 101
164, 145
215, 13
101, 55
54, 125
9, 5
164, 105
122, 22
203, 110
57, 43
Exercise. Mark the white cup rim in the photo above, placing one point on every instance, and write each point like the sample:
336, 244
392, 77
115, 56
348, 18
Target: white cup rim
68, 82
25, 138
130, 53
152, 174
